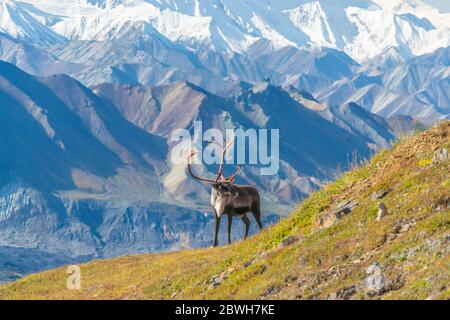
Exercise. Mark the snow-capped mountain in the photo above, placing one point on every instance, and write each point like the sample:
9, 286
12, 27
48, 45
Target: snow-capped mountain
361, 28
22, 22
340, 51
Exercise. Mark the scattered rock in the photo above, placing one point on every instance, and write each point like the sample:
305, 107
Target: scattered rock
217, 280
380, 194
289, 240
332, 296
321, 277
396, 284
290, 279
382, 211
447, 237
327, 220
442, 203
95, 288
261, 269
346, 293
247, 264
342, 209
420, 235
403, 227
269, 291
334, 271
440, 155
376, 282
411, 252
263, 255
432, 244
342, 294
345, 207
305, 283
406, 227
230, 270
391, 236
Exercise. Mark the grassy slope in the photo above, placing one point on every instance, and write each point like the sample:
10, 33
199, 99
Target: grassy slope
323, 263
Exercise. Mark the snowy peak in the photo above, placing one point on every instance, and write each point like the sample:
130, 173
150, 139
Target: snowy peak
312, 20
20, 24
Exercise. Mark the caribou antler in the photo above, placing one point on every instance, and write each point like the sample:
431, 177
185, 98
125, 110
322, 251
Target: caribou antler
192, 174
220, 173
222, 158
231, 178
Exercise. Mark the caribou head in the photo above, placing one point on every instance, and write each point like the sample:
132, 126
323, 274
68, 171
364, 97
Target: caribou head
230, 199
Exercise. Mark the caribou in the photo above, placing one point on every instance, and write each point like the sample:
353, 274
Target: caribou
230, 199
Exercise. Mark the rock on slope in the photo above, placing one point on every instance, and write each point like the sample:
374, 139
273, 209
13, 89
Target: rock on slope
358, 255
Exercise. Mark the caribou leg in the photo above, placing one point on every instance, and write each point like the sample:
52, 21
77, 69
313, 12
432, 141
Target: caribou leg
230, 221
217, 229
247, 225
257, 214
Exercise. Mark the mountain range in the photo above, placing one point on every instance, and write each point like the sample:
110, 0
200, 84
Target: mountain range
391, 57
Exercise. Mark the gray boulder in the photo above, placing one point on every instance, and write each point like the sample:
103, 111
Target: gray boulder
382, 211
440, 155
